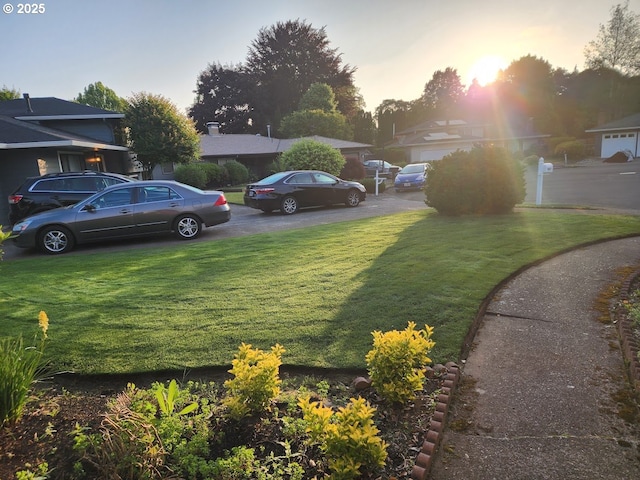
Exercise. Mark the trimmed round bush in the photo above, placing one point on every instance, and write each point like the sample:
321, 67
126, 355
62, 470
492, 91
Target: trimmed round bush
191, 174
312, 155
237, 172
485, 180
575, 150
216, 175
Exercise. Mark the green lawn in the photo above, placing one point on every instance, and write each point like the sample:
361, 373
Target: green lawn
317, 291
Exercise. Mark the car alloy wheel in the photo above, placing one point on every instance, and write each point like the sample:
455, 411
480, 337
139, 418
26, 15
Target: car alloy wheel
289, 205
353, 198
188, 227
54, 240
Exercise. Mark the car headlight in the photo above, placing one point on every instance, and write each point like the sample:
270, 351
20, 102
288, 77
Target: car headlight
21, 226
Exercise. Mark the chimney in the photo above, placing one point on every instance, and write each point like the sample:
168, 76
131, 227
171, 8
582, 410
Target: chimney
213, 128
28, 100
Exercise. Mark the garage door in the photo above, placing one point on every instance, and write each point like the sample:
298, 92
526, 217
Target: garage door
618, 142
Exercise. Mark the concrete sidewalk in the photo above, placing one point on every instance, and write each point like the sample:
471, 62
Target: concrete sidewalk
541, 391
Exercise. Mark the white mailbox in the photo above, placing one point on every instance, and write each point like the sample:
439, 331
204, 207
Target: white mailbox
543, 167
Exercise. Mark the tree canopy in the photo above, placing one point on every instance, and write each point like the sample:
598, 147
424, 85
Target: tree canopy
317, 115
99, 96
158, 133
618, 43
7, 93
282, 64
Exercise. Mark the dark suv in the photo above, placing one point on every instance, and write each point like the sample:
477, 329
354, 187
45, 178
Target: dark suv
54, 190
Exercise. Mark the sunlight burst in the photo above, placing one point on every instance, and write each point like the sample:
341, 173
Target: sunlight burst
485, 69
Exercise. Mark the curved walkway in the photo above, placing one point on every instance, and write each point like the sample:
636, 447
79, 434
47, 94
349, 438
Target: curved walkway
542, 394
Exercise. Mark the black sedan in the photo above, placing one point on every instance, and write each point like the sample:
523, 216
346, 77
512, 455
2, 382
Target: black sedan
290, 191
123, 211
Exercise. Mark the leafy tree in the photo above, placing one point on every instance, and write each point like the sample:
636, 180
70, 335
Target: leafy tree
158, 133
284, 61
364, 127
7, 93
526, 90
443, 92
618, 43
318, 97
306, 123
393, 116
312, 155
317, 116
99, 96
223, 94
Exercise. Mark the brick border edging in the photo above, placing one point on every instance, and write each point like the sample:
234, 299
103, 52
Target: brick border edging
628, 343
424, 460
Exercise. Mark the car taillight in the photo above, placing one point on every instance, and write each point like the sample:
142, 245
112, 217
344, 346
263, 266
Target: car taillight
262, 191
221, 201
13, 199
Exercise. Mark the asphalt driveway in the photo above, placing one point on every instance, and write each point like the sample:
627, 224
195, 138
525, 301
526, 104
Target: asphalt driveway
248, 221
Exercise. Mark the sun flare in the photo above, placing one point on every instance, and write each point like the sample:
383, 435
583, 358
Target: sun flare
485, 69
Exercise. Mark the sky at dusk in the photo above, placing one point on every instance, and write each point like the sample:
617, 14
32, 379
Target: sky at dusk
161, 46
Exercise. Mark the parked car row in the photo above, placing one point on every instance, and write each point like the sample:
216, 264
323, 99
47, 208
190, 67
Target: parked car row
55, 212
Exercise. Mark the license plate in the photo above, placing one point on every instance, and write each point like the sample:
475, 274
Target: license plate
252, 193
407, 184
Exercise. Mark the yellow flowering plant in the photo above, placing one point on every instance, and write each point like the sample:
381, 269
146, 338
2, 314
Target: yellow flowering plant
20, 367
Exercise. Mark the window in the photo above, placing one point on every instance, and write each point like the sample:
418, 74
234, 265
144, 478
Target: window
322, 178
167, 168
301, 178
117, 198
156, 194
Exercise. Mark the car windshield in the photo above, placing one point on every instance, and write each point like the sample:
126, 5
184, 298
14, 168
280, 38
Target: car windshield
273, 178
413, 169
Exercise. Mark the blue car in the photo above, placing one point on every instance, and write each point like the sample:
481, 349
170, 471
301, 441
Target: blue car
411, 177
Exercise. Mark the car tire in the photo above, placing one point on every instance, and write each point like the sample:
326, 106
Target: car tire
289, 205
187, 227
55, 240
353, 198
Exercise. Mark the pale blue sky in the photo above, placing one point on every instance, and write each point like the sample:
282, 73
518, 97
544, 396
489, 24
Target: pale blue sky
161, 46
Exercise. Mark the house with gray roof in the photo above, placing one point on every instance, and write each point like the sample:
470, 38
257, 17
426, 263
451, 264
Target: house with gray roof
434, 139
257, 152
618, 136
45, 135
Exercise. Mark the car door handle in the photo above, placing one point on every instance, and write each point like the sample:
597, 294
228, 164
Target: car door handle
125, 210
174, 204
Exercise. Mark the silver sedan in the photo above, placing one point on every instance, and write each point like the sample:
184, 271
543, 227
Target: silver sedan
123, 211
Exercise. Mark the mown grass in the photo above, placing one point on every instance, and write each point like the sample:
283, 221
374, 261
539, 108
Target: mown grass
319, 291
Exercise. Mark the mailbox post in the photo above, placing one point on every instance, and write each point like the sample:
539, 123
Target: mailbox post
378, 180
542, 169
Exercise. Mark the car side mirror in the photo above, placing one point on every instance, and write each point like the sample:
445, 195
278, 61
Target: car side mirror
89, 207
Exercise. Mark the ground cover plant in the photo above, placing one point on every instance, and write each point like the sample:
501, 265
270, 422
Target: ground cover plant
320, 291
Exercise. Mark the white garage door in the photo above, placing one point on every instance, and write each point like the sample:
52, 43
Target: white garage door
618, 142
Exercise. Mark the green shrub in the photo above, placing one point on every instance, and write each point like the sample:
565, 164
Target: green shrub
370, 185
397, 362
485, 180
20, 367
191, 174
312, 155
216, 175
348, 437
575, 150
237, 173
255, 381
